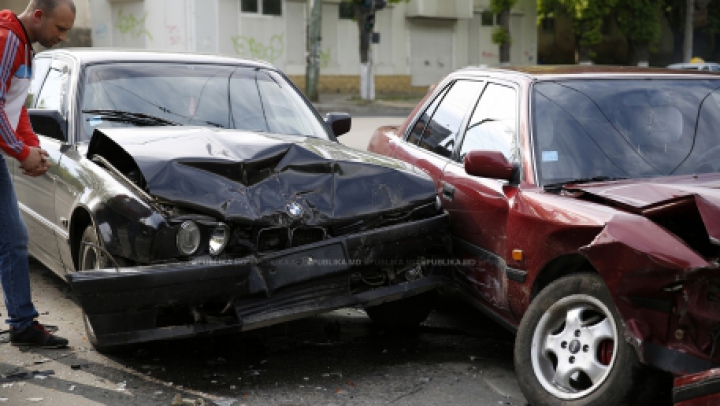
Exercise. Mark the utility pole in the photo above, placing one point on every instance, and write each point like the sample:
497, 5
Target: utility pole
365, 13
312, 71
689, 27
367, 78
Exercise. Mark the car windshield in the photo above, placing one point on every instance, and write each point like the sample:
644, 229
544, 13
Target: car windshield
611, 129
226, 96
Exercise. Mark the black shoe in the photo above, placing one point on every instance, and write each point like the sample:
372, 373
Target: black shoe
35, 335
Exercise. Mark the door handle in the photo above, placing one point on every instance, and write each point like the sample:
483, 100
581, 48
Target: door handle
448, 190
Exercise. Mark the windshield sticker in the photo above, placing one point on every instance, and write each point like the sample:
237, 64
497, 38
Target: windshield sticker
549, 156
93, 121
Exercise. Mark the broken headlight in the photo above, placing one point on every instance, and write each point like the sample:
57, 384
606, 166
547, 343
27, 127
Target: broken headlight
219, 238
188, 238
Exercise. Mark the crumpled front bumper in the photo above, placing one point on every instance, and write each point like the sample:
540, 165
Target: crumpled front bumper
124, 306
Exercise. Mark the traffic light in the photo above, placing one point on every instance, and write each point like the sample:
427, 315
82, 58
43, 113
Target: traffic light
375, 4
369, 22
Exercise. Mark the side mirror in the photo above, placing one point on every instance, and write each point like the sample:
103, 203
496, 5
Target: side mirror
49, 123
340, 123
489, 164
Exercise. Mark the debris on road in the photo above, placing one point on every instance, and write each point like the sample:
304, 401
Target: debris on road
24, 375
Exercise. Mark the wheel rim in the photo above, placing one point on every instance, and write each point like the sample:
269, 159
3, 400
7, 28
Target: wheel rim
574, 346
91, 257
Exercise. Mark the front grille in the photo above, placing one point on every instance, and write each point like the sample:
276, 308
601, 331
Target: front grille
273, 239
304, 236
279, 238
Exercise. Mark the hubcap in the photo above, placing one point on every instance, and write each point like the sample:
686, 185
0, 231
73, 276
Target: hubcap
574, 346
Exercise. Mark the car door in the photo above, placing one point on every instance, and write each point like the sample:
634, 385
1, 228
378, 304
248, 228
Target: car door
479, 207
37, 195
432, 138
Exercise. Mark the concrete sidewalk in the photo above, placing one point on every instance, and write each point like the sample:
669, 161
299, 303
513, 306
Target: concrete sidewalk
400, 106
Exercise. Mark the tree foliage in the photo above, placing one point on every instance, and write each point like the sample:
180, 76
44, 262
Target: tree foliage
639, 20
361, 11
587, 18
501, 35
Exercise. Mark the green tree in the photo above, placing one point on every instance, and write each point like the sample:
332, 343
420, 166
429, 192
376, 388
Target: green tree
674, 11
587, 17
639, 21
501, 35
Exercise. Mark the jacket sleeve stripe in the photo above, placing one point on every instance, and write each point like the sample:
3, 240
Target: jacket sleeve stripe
12, 43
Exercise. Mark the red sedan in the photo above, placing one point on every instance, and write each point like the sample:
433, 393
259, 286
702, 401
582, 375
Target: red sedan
585, 211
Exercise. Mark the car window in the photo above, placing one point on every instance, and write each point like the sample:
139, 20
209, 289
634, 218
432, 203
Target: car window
226, 96
420, 125
54, 89
441, 133
626, 128
493, 125
40, 71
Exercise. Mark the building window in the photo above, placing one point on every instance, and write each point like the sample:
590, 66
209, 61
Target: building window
265, 7
548, 23
487, 18
347, 11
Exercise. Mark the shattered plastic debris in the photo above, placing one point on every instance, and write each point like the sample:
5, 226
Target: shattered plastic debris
25, 375
121, 385
40, 376
213, 375
150, 367
34, 400
42, 361
224, 402
180, 401
218, 361
3, 399
72, 388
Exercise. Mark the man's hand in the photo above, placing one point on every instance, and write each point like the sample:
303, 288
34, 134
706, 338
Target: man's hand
36, 162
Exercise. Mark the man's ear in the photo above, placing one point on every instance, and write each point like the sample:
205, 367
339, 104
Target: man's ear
38, 15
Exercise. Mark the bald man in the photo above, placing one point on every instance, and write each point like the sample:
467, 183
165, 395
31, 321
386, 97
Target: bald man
46, 22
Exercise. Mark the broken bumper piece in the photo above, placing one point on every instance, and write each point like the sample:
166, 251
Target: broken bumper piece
186, 299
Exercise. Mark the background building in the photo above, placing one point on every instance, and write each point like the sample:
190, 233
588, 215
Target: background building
420, 41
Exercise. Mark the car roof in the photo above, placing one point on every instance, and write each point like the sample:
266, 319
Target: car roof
552, 72
692, 64
102, 55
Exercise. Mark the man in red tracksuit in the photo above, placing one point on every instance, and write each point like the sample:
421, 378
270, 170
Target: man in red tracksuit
46, 22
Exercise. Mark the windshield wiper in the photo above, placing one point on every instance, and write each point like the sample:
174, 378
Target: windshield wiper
557, 185
130, 117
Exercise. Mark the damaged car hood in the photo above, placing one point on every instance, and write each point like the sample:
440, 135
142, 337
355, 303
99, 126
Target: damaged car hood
652, 197
263, 178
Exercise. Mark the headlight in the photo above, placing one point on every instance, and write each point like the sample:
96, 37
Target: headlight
219, 238
188, 238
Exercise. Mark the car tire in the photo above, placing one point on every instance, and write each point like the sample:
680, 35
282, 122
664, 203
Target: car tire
403, 315
585, 360
86, 261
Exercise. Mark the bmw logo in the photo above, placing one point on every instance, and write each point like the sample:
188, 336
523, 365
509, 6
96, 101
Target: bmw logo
294, 210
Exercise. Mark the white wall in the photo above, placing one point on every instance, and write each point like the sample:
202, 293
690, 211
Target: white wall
218, 26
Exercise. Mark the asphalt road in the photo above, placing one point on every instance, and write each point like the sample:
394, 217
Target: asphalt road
458, 357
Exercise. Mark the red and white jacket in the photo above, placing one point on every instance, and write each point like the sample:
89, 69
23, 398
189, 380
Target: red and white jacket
16, 133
